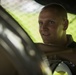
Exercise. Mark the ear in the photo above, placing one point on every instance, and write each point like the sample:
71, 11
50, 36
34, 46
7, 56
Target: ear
66, 22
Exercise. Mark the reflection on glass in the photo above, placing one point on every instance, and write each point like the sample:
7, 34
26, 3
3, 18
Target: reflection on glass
45, 67
16, 41
1, 29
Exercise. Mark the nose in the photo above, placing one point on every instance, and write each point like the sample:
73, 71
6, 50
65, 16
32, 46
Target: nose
44, 27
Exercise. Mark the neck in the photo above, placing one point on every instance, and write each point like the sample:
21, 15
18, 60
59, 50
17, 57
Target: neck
59, 42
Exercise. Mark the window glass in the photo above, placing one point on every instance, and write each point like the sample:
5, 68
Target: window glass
26, 13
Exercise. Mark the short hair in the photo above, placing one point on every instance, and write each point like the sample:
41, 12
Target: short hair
58, 8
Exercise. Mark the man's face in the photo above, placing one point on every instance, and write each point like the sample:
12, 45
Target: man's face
51, 26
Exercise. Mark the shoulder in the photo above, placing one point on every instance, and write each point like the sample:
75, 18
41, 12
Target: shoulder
72, 44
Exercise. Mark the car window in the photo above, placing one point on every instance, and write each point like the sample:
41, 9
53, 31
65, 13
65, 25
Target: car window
26, 12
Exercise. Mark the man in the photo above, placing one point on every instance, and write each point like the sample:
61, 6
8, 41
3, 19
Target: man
53, 23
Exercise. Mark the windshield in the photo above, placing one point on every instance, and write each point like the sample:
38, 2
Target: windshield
26, 12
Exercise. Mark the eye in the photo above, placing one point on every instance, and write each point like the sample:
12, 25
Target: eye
51, 22
40, 23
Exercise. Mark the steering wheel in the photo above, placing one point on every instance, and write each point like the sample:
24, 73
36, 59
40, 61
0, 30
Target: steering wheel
19, 48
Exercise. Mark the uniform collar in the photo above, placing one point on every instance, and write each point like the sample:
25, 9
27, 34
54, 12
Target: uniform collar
70, 40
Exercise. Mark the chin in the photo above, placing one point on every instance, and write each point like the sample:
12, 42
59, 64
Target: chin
46, 42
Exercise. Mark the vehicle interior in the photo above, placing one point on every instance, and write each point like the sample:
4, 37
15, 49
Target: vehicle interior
19, 32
